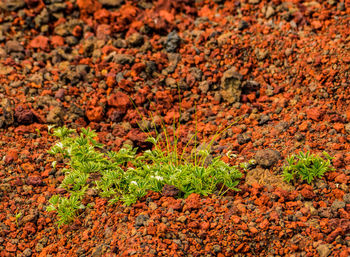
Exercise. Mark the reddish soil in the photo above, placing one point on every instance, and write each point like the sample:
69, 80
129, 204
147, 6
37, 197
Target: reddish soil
280, 67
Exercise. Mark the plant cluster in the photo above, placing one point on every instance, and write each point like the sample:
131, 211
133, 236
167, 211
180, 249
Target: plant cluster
306, 166
127, 176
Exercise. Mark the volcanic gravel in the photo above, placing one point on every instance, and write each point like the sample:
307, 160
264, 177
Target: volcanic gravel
281, 68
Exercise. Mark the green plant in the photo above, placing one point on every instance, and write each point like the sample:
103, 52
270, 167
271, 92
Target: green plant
306, 166
18, 216
127, 176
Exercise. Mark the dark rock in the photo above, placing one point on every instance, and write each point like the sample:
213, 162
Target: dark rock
267, 158
263, 119
172, 42
141, 220
243, 25
243, 138
23, 115
82, 70
135, 40
170, 191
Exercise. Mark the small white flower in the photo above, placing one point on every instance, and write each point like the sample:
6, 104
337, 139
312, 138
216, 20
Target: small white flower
159, 178
59, 145
133, 182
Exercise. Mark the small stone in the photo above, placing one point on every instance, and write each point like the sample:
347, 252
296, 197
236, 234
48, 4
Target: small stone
216, 248
27, 252
135, 40
230, 87
55, 115
14, 5
346, 198
263, 119
41, 42
181, 219
193, 201
243, 138
269, 12
34, 181
323, 250
204, 87
11, 156
288, 51
13, 46
172, 42
111, 3
170, 191
267, 158
153, 206
120, 58
60, 94
141, 220
23, 115
336, 205
307, 193
95, 113
243, 25
120, 101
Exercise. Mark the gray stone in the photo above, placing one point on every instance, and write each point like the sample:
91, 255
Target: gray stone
172, 42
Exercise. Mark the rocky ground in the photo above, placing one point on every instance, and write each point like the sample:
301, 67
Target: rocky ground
281, 68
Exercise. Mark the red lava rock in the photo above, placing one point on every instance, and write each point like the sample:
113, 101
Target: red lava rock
95, 113
57, 41
342, 178
115, 115
11, 247
34, 181
120, 101
139, 139
41, 42
192, 202
307, 193
12, 156
88, 6
314, 113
